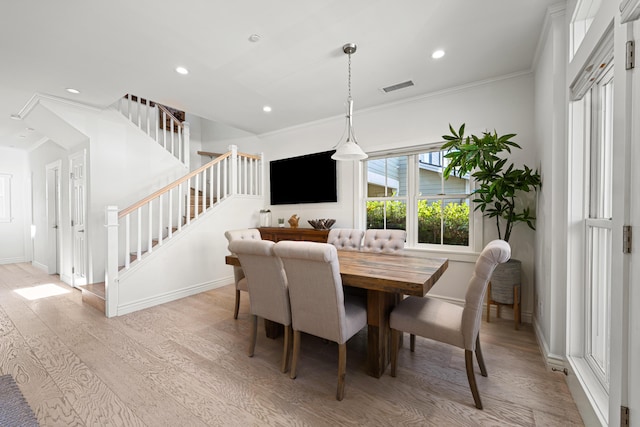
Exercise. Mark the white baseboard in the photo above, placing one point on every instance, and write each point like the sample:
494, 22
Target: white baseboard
551, 360
15, 260
40, 266
172, 296
66, 279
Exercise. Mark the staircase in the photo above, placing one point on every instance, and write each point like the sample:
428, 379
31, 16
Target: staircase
139, 232
94, 294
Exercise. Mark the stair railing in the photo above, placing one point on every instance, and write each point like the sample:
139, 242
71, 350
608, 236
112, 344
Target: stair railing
136, 231
158, 123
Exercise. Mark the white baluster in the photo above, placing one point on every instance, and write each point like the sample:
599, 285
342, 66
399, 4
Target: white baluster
196, 195
164, 129
148, 110
172, 140
127, 241
160, 209
150, 238
170, 221
139, 249
186, 144
180, 210
218, 181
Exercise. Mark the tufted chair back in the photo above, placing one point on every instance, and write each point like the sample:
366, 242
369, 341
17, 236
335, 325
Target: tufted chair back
238, 273
385, 241
345, 239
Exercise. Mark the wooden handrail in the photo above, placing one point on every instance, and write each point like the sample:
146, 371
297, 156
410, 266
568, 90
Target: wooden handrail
168, 113
171, 186
153, 104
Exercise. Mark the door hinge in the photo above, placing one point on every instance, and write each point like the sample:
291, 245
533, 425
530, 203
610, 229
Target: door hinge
624, 416
631, 56
71, 175
627, 239
73, 270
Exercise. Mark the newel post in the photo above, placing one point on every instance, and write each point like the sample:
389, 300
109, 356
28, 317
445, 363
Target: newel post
187, 150
234, 169
111, 267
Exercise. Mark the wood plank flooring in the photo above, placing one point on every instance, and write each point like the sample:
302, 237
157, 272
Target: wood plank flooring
185, 364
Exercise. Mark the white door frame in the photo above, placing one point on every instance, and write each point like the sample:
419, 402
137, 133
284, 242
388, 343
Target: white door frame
54, 214
630, 394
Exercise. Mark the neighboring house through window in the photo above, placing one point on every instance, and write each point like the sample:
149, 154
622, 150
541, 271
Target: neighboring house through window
409, 192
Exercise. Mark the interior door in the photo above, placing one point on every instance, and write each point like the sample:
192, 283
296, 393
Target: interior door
77, 166
53, 205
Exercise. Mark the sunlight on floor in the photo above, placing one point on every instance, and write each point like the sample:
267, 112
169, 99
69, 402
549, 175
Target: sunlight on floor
41, 291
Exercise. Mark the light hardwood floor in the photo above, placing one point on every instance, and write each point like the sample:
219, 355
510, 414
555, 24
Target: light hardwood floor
185, 364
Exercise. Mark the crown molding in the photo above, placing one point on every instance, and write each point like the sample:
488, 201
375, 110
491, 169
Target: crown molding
629, 10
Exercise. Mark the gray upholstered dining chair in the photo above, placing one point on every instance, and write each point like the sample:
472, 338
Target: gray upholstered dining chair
318, 304
385, 241
450, 323
268, 291
238, 274
345, 239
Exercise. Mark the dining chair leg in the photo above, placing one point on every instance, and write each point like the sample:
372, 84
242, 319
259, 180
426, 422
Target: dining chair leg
489, 302
287, 346
235, 311
254, 334
395, 343
296, 353
342, 369
483, 369
468, 359
412, 342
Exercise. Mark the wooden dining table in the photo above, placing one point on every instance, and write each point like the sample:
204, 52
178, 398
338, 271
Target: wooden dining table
385, 277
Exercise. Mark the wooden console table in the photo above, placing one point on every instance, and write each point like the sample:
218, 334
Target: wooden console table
286, 233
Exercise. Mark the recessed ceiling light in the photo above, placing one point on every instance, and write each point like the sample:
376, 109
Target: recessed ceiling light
182, 70
72, 90
16, 117
254, 38
266, 109
437, 54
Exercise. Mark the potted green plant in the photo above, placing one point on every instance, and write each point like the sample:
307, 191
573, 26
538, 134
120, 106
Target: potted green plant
498, 185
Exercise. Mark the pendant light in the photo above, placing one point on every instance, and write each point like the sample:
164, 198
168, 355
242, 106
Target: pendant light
349, 149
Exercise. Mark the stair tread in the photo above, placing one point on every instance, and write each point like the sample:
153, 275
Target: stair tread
98, 289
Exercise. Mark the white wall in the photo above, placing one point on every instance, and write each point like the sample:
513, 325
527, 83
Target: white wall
202, 267
123, 166
551, 137
505, 105
14, 236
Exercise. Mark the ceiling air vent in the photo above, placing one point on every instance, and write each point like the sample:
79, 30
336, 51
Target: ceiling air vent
397, 86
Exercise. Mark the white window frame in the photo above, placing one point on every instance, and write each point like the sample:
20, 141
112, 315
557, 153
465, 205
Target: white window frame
412, 197
5, 197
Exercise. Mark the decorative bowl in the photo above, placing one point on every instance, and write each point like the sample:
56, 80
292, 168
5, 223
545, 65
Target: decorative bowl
321, 224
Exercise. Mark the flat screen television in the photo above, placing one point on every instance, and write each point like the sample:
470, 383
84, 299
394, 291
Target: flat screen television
304, 179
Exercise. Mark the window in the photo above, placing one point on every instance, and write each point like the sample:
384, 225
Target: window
409, 192
5, 198
386, 205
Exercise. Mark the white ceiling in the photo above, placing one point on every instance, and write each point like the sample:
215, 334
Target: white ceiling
106, 49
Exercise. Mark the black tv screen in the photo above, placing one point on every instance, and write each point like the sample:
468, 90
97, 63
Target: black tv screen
304, 179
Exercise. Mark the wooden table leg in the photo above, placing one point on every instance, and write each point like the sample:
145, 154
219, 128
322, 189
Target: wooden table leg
379, 306
273, 329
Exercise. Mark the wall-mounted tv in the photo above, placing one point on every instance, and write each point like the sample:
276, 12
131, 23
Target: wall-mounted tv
304, 179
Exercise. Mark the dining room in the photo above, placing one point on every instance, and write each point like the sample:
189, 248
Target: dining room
186, 363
